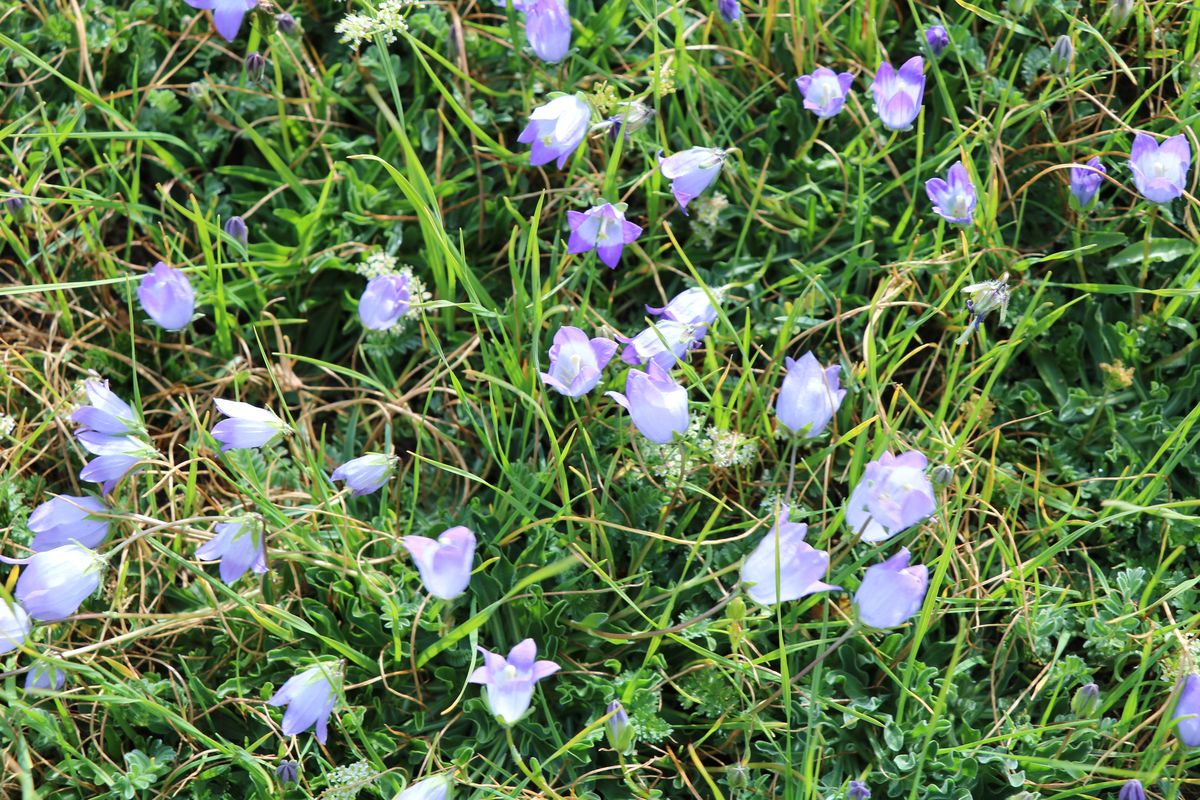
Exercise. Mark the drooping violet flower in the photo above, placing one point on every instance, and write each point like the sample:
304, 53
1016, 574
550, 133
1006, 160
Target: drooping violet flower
891, 591
107, 414
1086, 181
898, 93
14, 626
116, 457
954, 198
731, 10
618, 729
657, 404
824, 91
604, 229
65, 519
858, 790
691, 172
288, 771
55, 582
937, 38
894, 494
366, 474
547, 28
239, 545
309, 697
1160, 170
783, 566
810, 396
556, 129
385, 301
168, 297
44, 677
693, 306
247, 426
1187, 712
435, 788
665, 343
576, 361
443, 563
1132, 790
508, 682
227, 14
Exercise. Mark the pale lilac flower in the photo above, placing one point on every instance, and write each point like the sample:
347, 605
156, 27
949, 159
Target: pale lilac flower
444, 563
556, 129
618, 729
824, 91
107, 413
1187, 712
898, 93
239, 545
247, 426
435, 788
937, 38
810, 396
227, 14
783, 566
168, 297
954, 198
117, 456
309, 697
44, 677
508, 682
691, 172
1160, 170
55, 582
1132, 790
65, 519
385, 301
603, 229
665, 343
657, 404
1086, 180
576, 361
547, 28
858, 790
14, 626
891, 591
730, 10
894, 494
366, 474
693, 306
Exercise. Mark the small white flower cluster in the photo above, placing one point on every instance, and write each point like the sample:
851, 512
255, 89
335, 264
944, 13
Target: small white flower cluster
7, 424
387, 21
378, 263
346, 782
729, 448
1176, 664
708, 215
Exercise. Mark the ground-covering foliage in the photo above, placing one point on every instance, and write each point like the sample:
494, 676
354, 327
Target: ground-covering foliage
1060, 435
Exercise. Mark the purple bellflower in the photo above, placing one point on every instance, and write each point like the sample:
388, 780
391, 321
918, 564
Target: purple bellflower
556, 129
247, 426
1160, 170
691, 172
858, 790
385, 301
665, 343
953, 198
810, 396
577, 361
783, 566
227, 14
603, 229
691, 306
1086, 181
730, 10
893, 495
44, 677
168, 297
435, 788
547, 28
366, 474
309, 697
508, 682
824, 91
55, 582
1132, 790
107, 414
618, 729
1187, 712
65, 519
239, 545
14, 626
443, 563
891, 591
657, 404
937, 38
116, 457
898, 93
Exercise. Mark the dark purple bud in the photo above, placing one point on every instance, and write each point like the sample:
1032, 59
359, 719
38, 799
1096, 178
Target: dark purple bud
858, 791
15, 205
1132, 790
937, 38
286, 23
730, 10
288, 771
236, 228
256, 67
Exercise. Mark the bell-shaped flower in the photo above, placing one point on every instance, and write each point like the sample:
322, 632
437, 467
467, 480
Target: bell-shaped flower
576, 361
309, 697
443, 563
665, 343
783, 566
824, 91
117, 456
366, 474
1187, 712
55, 582
239, 545
695, 306
385, 301
508, 682
937, 38
435, 788
547, 28
247, 426
691, 172
730, 10
858, 790
227, 14
65, 519
44, 677
604, 229
107, 414
657, 404
1086, 181
1160, 170
894, 494
1132, 790
556, 129
891, 591
954, 198
898, 93
810, 396
14, 626
618, 729
168, 297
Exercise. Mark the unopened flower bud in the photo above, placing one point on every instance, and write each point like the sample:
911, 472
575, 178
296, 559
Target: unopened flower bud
256, 67
236, 228
286, 23
1061, 55
1119, 12
1132, 790
942, 474
1086, 701
618, 729
288, 771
